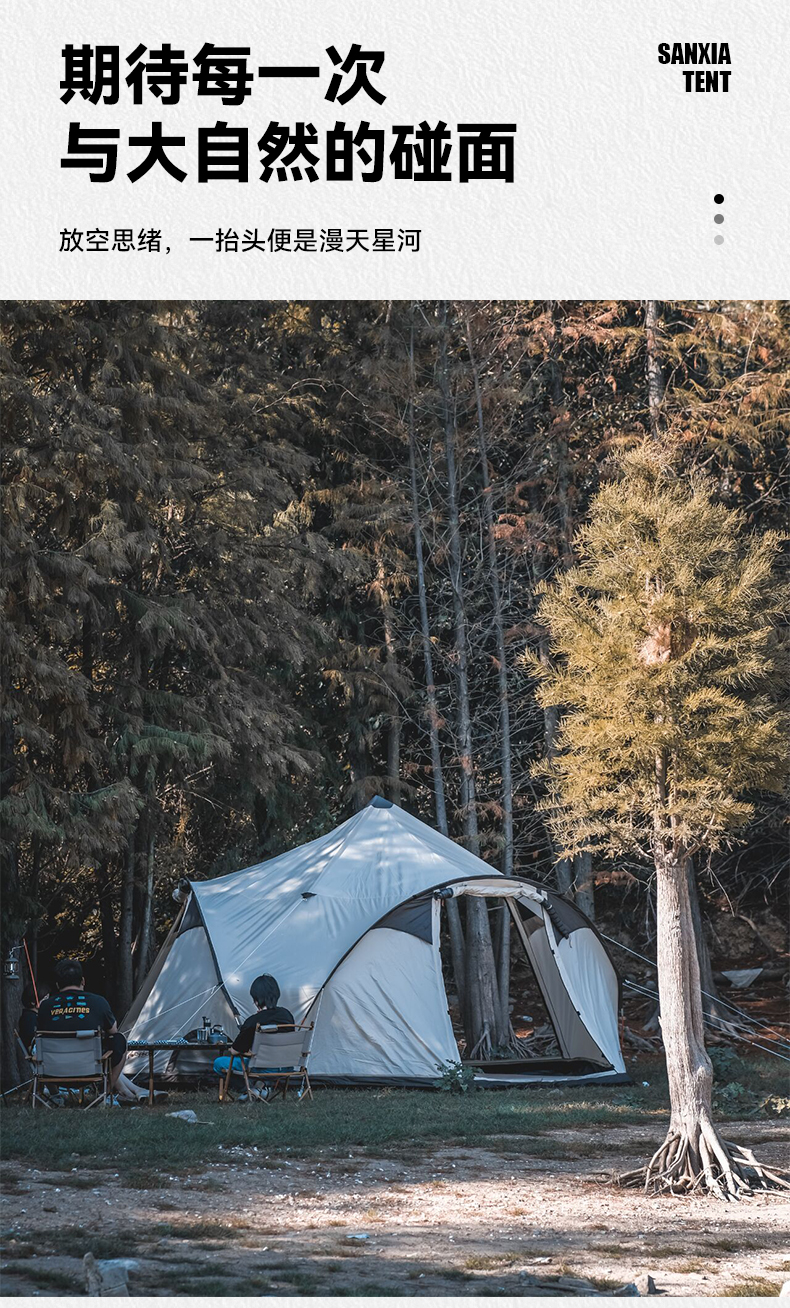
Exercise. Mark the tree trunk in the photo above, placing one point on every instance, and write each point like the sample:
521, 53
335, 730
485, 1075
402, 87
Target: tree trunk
503, 974
14, 1069
688, 1066
34, 924
109, 939
361, 768
692, 1154
584, 884
482, 1016
12, 1066
393, 759
655, 397
482, 1013
454, 925
391, 666
692, 1150
496, 604
455, 552
502, 952
125, 973
712, 1006
653, 371
563, 867
434, 719
145, 939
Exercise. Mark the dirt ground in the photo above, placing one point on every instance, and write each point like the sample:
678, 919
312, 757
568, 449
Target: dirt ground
441, 1221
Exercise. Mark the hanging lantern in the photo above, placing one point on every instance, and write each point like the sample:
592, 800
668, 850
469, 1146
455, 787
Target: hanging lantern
181, 891
11, 970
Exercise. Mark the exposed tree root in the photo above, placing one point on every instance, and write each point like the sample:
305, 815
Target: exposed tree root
482, 1051
701, 1162
486, 1050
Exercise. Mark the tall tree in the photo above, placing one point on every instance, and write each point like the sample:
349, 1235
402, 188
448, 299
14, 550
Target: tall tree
712, 1006
502, 951
669, 669
482, 1009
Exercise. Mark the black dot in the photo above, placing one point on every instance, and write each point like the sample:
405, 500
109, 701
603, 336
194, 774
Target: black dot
718, 199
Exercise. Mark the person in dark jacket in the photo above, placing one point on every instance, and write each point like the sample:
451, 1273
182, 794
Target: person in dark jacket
265, 994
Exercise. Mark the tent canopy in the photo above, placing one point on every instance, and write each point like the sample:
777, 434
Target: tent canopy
354, 917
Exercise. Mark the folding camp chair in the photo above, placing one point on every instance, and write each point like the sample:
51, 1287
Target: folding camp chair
278, 1056
73, 1059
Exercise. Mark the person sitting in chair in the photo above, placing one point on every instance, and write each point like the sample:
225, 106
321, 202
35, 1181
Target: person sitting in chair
73, 1008
265, 994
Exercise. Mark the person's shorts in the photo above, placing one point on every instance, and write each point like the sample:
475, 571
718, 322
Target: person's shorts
222, 1064
116, 1043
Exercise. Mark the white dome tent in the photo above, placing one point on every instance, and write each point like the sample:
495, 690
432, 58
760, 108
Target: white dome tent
353, 920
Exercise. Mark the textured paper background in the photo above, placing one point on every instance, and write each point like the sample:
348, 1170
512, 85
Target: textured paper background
616, 165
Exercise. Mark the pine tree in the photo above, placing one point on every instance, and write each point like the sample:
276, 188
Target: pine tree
157, 614
667, 666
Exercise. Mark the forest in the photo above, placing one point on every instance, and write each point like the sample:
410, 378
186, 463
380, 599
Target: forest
264, 560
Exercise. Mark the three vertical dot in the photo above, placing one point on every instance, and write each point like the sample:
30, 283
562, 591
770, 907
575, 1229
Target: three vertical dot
718, 218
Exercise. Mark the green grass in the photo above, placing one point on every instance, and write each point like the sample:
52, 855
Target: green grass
360, 1119
369, 1290
78, 1240
409, 1122
47, 1276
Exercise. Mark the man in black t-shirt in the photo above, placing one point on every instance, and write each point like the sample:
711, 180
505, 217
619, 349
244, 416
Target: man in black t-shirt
265, 994
73, 1008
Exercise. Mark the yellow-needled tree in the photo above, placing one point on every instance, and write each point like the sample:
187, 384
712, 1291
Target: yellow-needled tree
668, 668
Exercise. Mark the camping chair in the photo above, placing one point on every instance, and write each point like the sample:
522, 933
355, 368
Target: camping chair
278, 1055
73, 1059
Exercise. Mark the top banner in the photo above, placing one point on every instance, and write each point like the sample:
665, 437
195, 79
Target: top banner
335, 150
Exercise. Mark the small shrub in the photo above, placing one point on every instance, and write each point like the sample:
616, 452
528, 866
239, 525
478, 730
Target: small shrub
728, 1245
18, 1249
629, 1099
208, 1184
455, 1078
727, 1065
145, 1179
733, 1097
489, 1262
754, 1289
